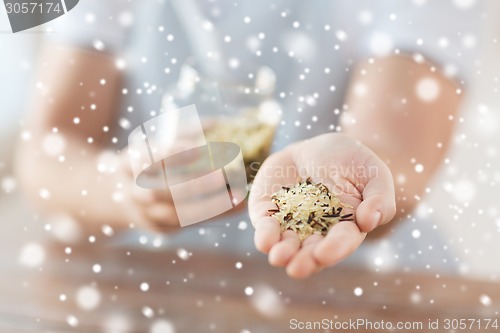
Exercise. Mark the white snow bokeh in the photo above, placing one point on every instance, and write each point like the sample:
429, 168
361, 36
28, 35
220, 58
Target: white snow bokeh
162, 326
72, 321
249, 291
266, 301
300, 45
144, 286
463, 191
183, 254
88, 298
53, 144
365, 17
485, 300
427, 89
32, 255
148, 312
381, 44
9, 184
117, 324
65, 229
486, 121
464, 4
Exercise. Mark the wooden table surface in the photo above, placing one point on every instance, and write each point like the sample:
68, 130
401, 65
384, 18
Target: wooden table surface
207, 292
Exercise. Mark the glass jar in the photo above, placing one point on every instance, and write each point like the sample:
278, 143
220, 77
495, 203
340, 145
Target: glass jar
234, 102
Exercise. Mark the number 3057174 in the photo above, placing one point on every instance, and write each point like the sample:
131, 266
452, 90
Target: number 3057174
33, 7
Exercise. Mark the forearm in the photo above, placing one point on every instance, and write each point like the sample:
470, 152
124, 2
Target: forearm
58, 165
74, 185
408, 125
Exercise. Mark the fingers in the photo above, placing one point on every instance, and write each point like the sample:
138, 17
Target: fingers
374, 211
341, 241
282, 252
379, 202
267, 229
316, 252
267, 181
304, 264
267, 233
143, 196
205, 186
260, 209
160, 213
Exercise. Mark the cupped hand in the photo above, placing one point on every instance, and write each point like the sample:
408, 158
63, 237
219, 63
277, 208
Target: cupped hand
351, 171
150, 209
154, 206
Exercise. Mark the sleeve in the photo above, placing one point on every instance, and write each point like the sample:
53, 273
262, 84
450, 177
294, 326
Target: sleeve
449, 34
95, 24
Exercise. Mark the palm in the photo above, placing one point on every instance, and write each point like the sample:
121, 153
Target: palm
351, 171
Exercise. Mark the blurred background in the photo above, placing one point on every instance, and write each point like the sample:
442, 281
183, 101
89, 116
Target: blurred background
462, 206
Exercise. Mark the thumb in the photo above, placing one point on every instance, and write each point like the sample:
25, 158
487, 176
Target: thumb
379, 202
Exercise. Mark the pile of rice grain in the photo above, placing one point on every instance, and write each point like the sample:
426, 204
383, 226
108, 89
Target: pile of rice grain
247, 131
308, 208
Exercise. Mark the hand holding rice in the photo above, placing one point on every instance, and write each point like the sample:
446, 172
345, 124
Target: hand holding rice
308, 208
